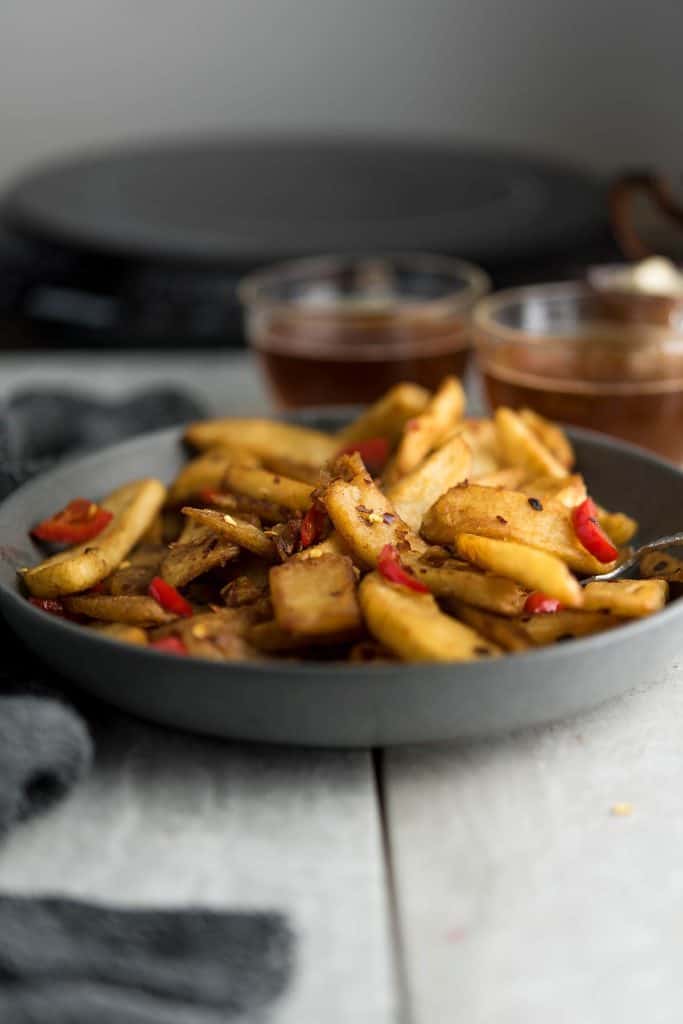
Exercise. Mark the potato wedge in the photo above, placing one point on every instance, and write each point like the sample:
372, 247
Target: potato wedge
136, 572
366, 520
505, 633
627, 598
417, 491
218, 636
482, 438
265, 438
154, 534
569, 490
519, 446
244, 535
510, 478
565, 625
412, 626
251, 510
535, 570
387, 417
315, 596
271, 638
619, 528
662, 565
205, 472
295, 470
136, 610
264, 485
121, 631
369, 651
198, 550
458, 580
551, 436
508, 515
332, 545
424, 432
134, 507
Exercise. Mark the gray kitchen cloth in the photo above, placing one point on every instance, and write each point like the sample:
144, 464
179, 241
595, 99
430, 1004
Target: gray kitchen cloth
45, 746
66, 962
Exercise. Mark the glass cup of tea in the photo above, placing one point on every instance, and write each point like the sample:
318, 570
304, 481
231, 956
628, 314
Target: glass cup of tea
342, 329
550, 347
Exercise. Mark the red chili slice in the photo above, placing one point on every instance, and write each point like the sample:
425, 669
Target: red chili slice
389, 566
538, 603
169, 644
374, 452
81, 520
312, 526
591, 534
169, 598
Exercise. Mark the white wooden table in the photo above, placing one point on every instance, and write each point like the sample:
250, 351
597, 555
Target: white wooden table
485, 883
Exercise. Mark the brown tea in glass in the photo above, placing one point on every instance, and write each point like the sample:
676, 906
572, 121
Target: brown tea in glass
342, 330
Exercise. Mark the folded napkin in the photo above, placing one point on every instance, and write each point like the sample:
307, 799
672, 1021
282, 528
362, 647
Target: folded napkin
66, 962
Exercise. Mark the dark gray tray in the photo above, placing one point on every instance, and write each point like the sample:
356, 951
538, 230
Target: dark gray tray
241, 201
321, 704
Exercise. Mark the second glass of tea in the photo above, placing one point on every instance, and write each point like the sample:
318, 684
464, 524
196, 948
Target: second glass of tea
342, 329
552, 348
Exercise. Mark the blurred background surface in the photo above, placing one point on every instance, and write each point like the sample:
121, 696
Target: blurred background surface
573, 93
592, 82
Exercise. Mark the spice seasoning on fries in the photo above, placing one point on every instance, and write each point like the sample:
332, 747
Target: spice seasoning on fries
413, 534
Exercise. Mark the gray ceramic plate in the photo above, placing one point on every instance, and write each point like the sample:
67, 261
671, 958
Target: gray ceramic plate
336, 704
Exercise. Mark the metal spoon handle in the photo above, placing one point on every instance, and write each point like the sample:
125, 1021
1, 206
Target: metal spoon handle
672, 540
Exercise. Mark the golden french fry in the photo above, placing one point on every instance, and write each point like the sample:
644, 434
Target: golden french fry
414, 493
569, 490
264, 485
121, 631
510, 478
627, 598
565, 625
264, 438
332, 545
551, 436
284, 466
197, 551
519, 446
504, 632
509, 515
535, 570
482, 439
424, 432
271, 638
315, 596
366, 520
662, 565
206, 473
243, 534
458, 580
135, 573
218, 636
134, 506
619, 528
135, 610
413, 627
387, 417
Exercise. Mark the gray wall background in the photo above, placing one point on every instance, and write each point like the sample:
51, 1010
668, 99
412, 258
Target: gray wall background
594, 81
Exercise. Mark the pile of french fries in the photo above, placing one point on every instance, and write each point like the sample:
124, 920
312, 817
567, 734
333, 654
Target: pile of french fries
282, 542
